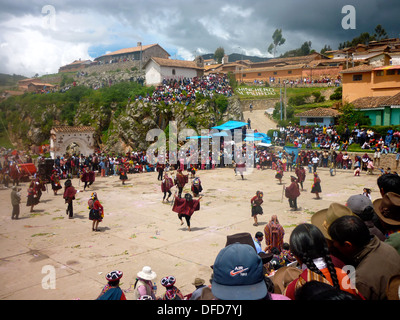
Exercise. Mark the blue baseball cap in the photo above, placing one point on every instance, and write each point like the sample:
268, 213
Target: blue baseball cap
238, 274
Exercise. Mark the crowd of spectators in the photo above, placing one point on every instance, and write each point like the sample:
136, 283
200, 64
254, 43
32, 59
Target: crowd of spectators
328, 138
187, 89
306, 80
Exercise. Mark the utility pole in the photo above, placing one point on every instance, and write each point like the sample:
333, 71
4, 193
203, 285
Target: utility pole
284, 100
281, 101
139, 44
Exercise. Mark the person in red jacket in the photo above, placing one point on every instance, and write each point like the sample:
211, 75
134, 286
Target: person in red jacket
69, 197
185, 207
292, 193
166, 185
301, 175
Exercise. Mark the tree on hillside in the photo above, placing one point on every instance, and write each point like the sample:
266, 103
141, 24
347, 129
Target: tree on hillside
365, 38
278, 40
219, 54
380, 33
325, 49
304, 50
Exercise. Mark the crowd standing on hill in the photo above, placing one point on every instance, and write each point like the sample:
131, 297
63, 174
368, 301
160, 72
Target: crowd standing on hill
186, 90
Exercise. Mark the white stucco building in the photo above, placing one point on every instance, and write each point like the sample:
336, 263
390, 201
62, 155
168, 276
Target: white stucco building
158, 69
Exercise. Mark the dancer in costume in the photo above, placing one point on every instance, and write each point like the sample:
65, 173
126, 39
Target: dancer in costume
55, 182
185, 207
256, 208
166, 185
112, 291
196, 187
240, 168
39, 186
123, 174
96, 213
316, 187
69, 196
301, 175
292, 193
32, 196
180, 181
160, 167
88, 177
279, 173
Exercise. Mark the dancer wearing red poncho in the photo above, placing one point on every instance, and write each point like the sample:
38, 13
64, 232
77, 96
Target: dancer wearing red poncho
69, 196
185, 207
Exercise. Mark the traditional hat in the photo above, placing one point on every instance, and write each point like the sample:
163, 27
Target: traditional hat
243, 237
147, 273
114, 275
283, 276
324, 218
393, 288
388, 208
168, 281
198, 282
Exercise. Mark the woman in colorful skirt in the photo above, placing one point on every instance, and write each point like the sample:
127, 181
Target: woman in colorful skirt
122, 174
32, 196
256, 208
316, 187
55, 182
96, 213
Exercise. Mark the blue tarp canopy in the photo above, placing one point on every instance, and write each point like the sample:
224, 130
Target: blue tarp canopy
295, 150
198, 137
248, 138
230, 125
220, 134
257, 136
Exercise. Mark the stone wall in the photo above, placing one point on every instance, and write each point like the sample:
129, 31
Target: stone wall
105, 74
258, 104
386, 160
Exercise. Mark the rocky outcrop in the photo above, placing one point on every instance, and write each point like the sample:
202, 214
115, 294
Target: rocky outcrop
130, 129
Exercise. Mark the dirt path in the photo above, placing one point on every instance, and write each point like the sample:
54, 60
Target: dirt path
259, 120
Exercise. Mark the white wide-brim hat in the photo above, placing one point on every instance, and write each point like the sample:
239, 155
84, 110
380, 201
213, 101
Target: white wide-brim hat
147, 273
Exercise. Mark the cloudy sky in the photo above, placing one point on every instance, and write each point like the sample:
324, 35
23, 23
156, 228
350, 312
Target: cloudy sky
40, 36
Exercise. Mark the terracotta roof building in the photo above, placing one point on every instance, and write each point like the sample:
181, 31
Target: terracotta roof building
39, 87
141, 53
68, 129
77, 65
383, 110
369, 81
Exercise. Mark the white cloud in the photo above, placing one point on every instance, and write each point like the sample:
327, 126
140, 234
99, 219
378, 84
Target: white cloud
30, 46
236, 11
